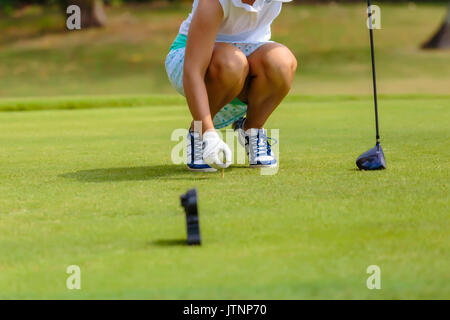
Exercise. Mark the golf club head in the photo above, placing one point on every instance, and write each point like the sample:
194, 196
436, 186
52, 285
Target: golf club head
372, 159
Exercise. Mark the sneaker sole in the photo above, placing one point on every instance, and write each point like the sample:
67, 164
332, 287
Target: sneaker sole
263, 165
202, 170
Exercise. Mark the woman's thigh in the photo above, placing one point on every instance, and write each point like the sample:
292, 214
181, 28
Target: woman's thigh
225, 76
273, 61
228, 64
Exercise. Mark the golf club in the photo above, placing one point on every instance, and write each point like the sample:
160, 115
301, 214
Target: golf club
373, 159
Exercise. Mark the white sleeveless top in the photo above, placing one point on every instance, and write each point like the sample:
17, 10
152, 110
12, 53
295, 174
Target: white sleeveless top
243, 22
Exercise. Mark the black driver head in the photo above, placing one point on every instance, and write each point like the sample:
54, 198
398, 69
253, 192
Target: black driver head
189, 202
372, 159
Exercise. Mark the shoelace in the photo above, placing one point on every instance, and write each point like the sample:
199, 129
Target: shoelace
259, 144
198, 149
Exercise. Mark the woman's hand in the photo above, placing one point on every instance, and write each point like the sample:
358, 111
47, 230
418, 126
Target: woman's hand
202, 35
213, 147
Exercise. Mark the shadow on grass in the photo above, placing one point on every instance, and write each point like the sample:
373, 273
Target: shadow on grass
169, 243
169, 171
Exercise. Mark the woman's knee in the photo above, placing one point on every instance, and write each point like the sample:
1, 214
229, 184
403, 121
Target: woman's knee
228, 66
278, 66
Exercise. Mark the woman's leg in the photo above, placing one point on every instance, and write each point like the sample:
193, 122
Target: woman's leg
272, 70
226, 75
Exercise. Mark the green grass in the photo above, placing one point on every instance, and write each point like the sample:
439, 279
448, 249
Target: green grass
86, 102
120, 101
85, 181
96, 188
331, 43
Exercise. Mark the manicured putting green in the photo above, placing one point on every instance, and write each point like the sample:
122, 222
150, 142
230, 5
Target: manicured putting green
96, 188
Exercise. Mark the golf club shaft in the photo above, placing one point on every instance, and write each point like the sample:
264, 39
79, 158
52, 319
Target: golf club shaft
372, 50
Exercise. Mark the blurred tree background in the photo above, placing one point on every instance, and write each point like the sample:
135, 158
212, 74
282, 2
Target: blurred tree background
40, 57
441, 39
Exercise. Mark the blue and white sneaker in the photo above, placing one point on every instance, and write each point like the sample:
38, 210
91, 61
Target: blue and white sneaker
256, 145
195, 153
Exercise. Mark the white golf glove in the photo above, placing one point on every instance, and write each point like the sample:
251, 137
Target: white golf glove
213, 146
